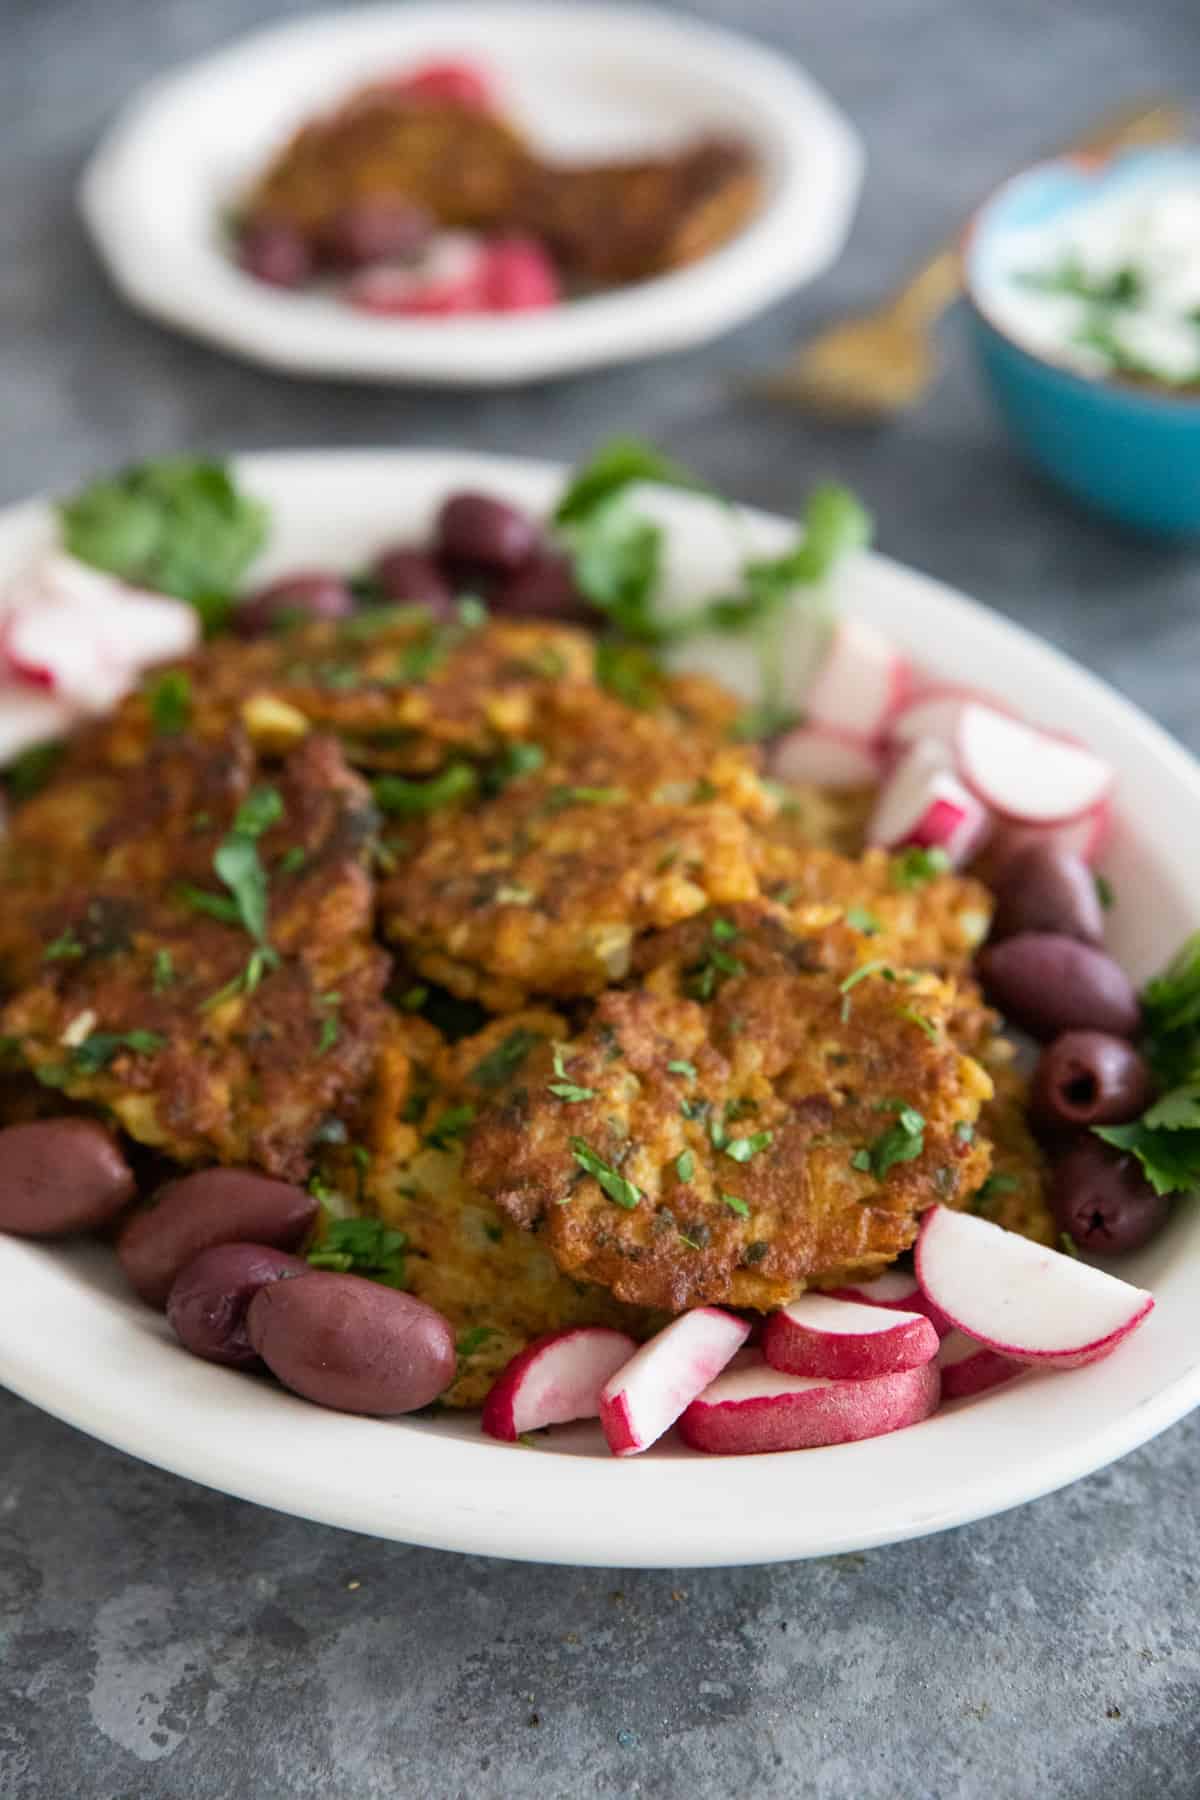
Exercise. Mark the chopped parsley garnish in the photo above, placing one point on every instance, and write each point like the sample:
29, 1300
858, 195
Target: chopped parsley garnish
28, 773
513, 762
630, 671
396, 794
504, 1059
260, 959
449, 1126
361, 1247
331, 1028
239, 866
559, 798
564, 1089
610, 1180
177, 525
913, 867
164, 970
262, 808
680, 1066
1068, 1245
474, 1340
170, 700
216, 906
920, 1020
994, 1185
736, 1204
702, 981
97, 1050
66, 947
846, 988
1104, 892
900, 1143
293, 860
861, 920
685, 1165
743, 1148
723, 931
1166, 1138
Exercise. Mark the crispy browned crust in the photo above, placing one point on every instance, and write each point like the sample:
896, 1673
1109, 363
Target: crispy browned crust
777, 1048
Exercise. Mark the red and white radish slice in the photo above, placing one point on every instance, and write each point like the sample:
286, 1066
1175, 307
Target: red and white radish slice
1085, 836
753, 1407
53, 649
449, 278
845, 1341
935, 713
923, 803
971, 1368
827, 758
454, 82
555, 1379
894, 1288
860, 683
645, 1397
519, 276
1025, 774
1019, 1298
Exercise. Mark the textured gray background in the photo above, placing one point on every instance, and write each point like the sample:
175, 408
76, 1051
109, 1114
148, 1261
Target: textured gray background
159, 1640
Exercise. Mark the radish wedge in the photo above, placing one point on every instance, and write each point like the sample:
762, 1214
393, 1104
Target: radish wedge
894, 1288
922, 802
1025, 774
935, 713
846, 1341
861, 682
450, 278
971, 1368
555, 1379
645, 1397
1019, 1298
754, 1407
828, 758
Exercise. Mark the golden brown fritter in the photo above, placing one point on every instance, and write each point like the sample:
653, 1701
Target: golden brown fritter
1016, 1192
745, 1126
628, 825
204, 1041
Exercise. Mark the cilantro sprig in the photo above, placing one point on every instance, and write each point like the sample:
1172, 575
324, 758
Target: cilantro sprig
902, 1142
1166, 1138
610, 1180
361, 1247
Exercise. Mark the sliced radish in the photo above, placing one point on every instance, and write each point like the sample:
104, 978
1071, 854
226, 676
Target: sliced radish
935, 713
923, 802
860, 683
827, 758
894, 1288
645, 1397
1019, 1298
971, 1368
1025, 774
846, 1341
449, 278
754, 1407
54, 650
29, 717
1085, 836
519, 276
450, 83
555, 1379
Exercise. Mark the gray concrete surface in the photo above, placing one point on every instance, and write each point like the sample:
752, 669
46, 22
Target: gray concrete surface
160, 1640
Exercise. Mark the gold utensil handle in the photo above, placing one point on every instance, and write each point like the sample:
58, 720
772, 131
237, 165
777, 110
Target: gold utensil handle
926, 294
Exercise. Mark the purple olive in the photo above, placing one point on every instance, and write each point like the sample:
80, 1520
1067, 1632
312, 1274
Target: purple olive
299, 598
412, 577
1045, 889
275, 252
212, 1206
376, 229
543, 589
1049, 984
1102, 1199
474, 528
59, 1176
352, 1344
1089, 1078
209, 1300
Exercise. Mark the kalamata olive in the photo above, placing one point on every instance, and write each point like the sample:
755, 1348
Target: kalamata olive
295, 599
352, 1344
543, 589
475, 528
1048, 983
209, 1299
58, 1176
412, 577
1102, 1199
212, 1206
1089, 1078
1044, 889
275, 252
376, 229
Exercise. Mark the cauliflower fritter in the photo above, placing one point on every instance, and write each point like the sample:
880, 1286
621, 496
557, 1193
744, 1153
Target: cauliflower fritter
741, 1127
206, 1038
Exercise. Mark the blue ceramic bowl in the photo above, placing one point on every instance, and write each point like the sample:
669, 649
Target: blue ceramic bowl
1129, 451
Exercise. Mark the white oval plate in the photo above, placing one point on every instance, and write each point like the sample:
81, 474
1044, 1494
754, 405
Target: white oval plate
586, 81
74, 1341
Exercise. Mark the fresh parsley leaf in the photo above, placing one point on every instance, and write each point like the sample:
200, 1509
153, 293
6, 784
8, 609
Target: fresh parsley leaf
170, 701
239, 866
685, 1165
617, 564
681, 1066
610, 1180
559, 798
28, 773
164, 970
331, 1028
630, 671
723, 931
215, 906
66, 947
450, 1125
178, 525
513, 762
859, 919
262, 808
878, 967
293, 860
1171, 1016
1104, 892
396, 794
743, 1148
260, 959
921, 1020
835, 523
474, 1340
900, 1143
503, 1061
995, 1184
365, 1247
736, 1205
611, 470
97, 1050
566, 1090
913, 867
1170, 1156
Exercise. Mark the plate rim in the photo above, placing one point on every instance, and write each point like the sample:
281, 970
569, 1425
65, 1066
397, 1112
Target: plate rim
452, 1512
798, 234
